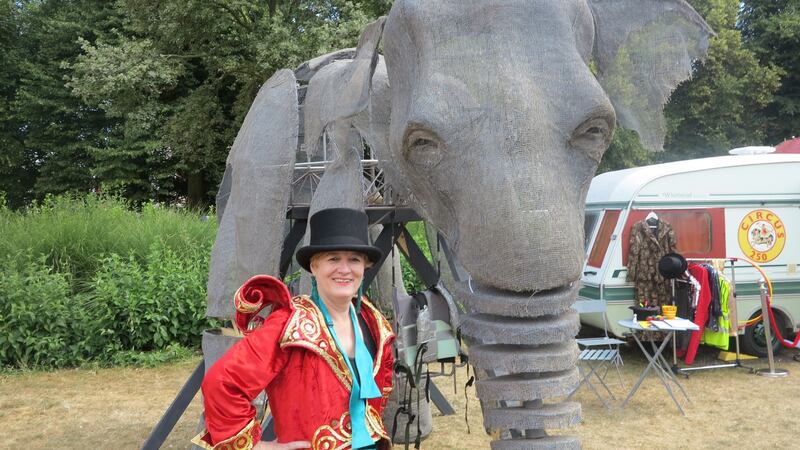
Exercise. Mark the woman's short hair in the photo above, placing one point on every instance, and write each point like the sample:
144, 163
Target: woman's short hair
367, 262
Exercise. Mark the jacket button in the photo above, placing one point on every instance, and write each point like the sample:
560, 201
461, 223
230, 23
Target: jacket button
334, 423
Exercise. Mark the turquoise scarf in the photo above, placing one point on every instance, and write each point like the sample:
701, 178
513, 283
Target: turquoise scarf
364, 387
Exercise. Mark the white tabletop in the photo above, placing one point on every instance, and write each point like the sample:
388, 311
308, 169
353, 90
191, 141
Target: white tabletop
677, 324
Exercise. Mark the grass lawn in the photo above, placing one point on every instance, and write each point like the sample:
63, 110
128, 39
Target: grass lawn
117, 408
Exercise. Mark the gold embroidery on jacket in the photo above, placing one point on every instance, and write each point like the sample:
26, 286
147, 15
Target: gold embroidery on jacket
375, 423
339, 434
243, 440
306, 328
384, 333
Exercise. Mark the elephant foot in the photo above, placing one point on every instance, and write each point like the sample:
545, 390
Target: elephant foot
523, 349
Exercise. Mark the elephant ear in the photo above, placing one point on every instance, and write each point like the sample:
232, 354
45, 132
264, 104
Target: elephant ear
643, 50
252, 200
341, 89
304, 72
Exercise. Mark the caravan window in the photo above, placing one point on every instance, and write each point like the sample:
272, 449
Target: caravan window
603, 238
699, 232
589, 224
692, 230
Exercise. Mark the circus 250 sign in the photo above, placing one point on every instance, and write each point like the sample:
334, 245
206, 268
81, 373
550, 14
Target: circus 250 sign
762, 235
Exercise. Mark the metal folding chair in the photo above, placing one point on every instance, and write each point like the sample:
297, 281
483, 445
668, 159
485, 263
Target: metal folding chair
597, 354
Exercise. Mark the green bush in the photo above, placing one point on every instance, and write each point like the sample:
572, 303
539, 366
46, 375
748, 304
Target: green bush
129, 309
74, 233
144, 307
40, 320
87, 281
69, 297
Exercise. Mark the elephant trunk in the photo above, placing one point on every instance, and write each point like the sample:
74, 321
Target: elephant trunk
523, 348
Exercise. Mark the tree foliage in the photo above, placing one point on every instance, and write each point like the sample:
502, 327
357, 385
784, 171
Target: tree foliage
723, 105
181, 75
46, 131
17, 171
144, 97
626, 150
726, 103
771, 29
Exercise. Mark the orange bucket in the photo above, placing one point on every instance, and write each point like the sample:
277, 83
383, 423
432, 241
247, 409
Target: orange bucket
669, 311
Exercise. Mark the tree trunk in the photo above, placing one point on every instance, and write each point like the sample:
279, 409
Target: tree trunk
196, 191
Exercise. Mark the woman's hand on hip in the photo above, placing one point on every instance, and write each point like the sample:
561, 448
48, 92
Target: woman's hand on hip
274, 445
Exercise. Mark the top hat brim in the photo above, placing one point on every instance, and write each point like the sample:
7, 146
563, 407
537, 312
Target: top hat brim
303, 256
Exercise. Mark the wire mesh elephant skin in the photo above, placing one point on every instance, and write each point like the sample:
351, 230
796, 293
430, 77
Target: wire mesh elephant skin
489, 118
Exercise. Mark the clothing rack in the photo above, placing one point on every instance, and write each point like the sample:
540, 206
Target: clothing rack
734, 319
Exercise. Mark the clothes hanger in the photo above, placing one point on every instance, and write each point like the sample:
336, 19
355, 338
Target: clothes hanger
652, 220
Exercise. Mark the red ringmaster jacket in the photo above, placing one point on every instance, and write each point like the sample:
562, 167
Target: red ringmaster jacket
293, 356
701, 313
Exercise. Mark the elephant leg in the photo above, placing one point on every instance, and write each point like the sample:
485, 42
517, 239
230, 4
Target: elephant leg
523, 348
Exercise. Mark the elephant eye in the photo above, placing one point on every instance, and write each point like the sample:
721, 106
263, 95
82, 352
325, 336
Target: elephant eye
592, 137
423, 149
422, 142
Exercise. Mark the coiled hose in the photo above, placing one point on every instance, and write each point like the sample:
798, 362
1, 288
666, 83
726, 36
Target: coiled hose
786, 343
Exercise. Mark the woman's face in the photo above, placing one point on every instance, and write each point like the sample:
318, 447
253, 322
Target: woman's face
338, 274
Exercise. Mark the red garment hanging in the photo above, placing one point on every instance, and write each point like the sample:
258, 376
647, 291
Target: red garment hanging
701, 313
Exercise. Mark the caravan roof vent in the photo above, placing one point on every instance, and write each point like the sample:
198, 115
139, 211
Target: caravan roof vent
752, 150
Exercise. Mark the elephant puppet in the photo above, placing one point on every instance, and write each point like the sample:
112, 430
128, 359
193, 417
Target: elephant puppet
489, 118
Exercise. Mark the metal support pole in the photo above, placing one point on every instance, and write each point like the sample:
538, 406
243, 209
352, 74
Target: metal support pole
294, 237
674, 367
268, 429
385, 241
735, 319
417, 258
459, 274
772, 372
175, 410
440, 401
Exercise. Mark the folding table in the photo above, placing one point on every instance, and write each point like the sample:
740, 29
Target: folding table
656, 361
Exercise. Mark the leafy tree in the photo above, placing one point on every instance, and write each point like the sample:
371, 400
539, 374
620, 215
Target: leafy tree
771, 28
626, 150
125, 80
17, 171
181, 75
144, 97
723, 105
55, 130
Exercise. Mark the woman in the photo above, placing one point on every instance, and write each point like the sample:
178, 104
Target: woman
323, 359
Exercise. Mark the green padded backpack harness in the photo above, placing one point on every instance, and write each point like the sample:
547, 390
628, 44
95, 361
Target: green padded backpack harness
427, 329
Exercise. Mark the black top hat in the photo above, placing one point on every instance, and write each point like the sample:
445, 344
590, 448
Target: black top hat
672, 265
338, 229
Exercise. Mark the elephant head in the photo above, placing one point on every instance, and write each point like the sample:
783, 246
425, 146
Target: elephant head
489, 117
501, 111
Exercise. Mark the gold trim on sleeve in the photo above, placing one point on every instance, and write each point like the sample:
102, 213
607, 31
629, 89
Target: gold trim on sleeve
243, 440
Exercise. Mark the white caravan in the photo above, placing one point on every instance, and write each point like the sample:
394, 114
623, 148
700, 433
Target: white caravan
730, 206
